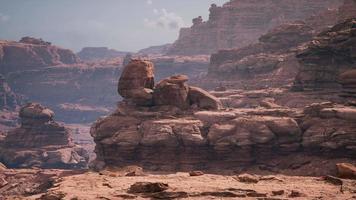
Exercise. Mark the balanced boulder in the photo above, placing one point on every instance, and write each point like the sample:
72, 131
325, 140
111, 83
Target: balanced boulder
137, 81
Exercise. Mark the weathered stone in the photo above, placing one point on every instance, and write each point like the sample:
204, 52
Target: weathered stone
172, 91
147, 187
203, 99
346, 170
41, 142
137, 81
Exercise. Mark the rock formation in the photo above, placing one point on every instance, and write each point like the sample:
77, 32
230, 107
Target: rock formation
137, 81
177, 133
41, 142
240, 23
99, 53
144, 101
326, 57
272, 61
32, 53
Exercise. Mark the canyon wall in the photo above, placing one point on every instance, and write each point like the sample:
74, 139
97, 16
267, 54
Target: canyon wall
239, 23
272, 61
331, 53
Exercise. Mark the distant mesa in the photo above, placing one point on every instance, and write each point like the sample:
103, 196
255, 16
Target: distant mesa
157, 50
32, 53
99, 53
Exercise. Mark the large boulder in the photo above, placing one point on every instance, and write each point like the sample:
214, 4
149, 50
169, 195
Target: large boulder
137, 81
203, 99
172, 91
346, 170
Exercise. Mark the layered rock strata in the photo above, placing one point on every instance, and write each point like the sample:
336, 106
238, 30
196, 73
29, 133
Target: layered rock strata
31, 53
330, 54
240, 23
173, 134
41, 142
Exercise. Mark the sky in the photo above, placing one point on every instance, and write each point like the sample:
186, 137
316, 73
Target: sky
125, 25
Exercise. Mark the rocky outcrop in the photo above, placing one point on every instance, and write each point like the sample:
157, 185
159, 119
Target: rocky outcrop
270, 61
99, 53
8, 99
32, 53
177, 133
348, 82
136, 85
240, 23
41, 142
137, 81
326, 57
170, 139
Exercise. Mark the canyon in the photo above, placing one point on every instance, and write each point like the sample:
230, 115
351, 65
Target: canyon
251, 104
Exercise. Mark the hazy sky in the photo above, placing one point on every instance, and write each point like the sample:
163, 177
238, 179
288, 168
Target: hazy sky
126, 25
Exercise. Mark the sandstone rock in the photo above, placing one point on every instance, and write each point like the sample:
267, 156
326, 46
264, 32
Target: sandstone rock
211, 117
346, 170
172, 91
31, 40
147, 187
328, 55
41, 142
196, 173
295, 193
277, 192
203, 99
248, 178
137, 81
32, 53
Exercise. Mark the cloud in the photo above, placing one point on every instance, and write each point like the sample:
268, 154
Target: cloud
165, 20
4, 18
149, 2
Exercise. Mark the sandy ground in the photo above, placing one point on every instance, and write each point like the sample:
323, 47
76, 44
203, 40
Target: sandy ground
115, 185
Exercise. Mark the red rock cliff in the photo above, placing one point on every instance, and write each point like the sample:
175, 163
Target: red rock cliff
241, 22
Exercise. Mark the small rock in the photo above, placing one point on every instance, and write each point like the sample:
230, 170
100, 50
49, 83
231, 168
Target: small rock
277, 192
52, 196
295, 193
147, 187
196, 173
248, 178
346, 170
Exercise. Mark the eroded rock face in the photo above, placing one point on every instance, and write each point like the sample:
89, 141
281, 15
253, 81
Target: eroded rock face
8, 99
172, 91
41, 142
240, 23
174, 140
327, 56
32, 53
137, 81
